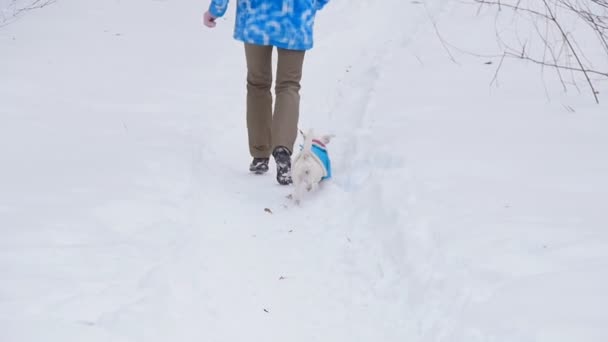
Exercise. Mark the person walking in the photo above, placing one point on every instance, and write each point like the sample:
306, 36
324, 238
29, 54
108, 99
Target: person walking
263, 25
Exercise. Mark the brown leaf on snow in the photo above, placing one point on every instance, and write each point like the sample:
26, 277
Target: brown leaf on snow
268, 210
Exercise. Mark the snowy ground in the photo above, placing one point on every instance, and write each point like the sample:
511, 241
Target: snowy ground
458, 211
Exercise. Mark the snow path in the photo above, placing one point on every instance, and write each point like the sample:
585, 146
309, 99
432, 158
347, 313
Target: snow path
127, 212
196, 253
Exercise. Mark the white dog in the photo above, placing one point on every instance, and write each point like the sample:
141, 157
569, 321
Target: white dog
311, 165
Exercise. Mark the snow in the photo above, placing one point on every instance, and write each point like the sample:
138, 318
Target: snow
458, 211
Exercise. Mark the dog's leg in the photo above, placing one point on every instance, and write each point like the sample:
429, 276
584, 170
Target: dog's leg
297, 192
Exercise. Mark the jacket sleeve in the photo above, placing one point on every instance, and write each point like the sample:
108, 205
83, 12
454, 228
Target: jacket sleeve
319, 4
217, 8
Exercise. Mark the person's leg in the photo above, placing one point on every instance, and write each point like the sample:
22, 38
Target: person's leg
287, 106
286, 111
259, 99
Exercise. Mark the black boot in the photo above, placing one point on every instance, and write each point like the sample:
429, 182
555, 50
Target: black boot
259, 165
282, 157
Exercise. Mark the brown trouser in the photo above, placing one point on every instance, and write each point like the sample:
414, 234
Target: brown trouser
267, 131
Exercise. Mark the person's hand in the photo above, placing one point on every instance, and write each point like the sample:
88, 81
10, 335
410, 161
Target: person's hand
209, 20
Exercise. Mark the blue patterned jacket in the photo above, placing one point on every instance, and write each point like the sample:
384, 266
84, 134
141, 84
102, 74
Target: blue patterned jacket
286, 24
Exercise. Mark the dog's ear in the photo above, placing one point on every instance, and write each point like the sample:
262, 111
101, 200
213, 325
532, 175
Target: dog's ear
327, 138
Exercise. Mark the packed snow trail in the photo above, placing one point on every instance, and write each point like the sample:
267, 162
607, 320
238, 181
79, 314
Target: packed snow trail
128, 214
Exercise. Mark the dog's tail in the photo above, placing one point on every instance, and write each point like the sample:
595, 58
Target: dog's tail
308, 137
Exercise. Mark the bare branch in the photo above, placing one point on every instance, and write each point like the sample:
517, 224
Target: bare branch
443, 42
563, 67
574, 51
17, 8
560, 45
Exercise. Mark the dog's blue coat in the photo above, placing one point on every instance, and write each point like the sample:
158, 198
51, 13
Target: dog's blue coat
320, 153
